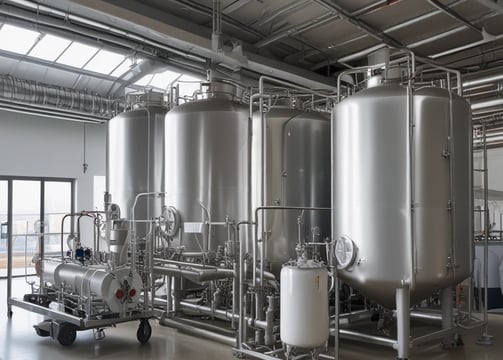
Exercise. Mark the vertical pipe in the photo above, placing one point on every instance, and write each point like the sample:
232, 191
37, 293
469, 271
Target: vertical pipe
333, 266
235, 294
169, 297
9, 247
486, 224
446, 304
403, 322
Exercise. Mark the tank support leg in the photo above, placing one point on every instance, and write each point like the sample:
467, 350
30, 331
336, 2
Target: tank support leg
403, 322
446, 304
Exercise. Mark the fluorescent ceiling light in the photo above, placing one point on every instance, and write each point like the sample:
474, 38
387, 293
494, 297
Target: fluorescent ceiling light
16, 39
77, 55
49, 47
104, 62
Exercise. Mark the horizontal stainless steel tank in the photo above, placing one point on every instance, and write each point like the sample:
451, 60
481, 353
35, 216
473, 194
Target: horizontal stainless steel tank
297, 173
402, 194
207, 164
135, 160
120, 289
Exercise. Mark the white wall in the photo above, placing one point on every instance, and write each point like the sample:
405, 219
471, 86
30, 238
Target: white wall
40, 146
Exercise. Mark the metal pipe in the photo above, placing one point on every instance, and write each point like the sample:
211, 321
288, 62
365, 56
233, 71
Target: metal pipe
486, 104
184, 263
371, 339
446, 305
75, 102
230, 341
266, 208
222, 314
194, 275
242, 305
483, 80
403, 322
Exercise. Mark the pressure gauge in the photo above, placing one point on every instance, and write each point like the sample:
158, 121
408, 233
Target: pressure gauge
171, 220
345, 252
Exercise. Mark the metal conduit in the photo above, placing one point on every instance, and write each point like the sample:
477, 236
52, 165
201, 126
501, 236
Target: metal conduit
19, 91
190, 329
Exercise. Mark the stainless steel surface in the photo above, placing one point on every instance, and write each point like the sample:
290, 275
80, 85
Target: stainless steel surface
135, 161
297, 174
18, 341
206, 166
403, 322
372, 195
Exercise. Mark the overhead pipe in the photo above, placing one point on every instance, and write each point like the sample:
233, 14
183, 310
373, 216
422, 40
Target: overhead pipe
80, 103
483, 80
487, 104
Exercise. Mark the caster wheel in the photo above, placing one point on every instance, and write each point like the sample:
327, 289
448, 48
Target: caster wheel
144, 332
41, 332
67, 334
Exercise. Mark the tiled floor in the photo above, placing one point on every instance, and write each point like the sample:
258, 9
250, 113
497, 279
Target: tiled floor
19, 341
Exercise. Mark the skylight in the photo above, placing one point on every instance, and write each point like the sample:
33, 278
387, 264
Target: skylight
145, 81
187, 85
16, 39
104, 62
125, 66
77, 55
164, 79
49, 47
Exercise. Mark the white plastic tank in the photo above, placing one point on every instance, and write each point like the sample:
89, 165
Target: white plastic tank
304, 304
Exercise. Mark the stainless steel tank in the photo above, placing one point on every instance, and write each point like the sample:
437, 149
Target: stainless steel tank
297, 173
135, 161
207, 165
402, 194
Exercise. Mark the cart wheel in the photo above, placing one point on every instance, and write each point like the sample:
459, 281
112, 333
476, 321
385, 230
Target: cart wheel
144, 331
67, 334
41, 332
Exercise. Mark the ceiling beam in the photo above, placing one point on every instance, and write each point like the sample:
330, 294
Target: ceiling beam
184, 36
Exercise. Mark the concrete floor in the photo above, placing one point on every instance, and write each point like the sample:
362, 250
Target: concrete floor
18, 341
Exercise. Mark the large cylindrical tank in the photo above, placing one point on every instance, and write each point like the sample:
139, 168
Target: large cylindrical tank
304, 304
402, 191
297, 173
135, 161
207, 165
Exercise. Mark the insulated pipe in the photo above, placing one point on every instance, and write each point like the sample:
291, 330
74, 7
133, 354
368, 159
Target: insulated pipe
57, 97
199, 332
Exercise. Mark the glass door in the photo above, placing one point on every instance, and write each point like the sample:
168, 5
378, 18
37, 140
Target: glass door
27, 226
4, 235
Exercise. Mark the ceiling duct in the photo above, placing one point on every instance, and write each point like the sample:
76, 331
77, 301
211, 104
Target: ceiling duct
56, 99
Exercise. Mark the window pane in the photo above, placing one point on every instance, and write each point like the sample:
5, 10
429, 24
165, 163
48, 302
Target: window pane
50, 47
3, 227
164, 79
104, 62
26, 224
16, 39
187, 85
144, 81
126, 65
77, 55
57, 203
